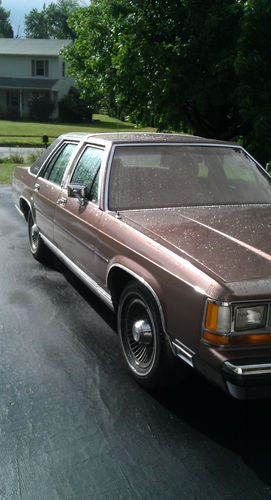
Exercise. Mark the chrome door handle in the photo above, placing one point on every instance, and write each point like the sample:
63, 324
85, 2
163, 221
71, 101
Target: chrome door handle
36, 186
62, 201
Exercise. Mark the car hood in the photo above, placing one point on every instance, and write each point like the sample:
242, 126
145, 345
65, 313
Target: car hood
233, 242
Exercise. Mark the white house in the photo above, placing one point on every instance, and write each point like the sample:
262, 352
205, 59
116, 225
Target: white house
31, 66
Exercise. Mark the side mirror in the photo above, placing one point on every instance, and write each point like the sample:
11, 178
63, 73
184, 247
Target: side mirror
78, 191
268, 167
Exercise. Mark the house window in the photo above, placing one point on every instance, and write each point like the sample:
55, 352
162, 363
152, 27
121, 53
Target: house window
40, 67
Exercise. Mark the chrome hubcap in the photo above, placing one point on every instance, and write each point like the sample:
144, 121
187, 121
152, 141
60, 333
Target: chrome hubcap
138, 335
142, 332
34, 235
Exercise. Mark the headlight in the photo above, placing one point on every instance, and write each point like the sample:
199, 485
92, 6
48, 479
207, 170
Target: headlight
235, 324
249, 318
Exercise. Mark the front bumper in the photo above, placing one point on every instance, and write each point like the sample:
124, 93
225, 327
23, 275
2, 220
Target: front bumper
248, 380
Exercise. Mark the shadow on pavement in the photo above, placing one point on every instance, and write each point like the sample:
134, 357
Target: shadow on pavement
241, 426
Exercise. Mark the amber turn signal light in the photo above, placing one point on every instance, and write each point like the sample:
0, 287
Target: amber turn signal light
224, 340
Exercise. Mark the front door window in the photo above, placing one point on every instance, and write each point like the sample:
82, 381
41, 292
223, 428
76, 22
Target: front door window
87, 172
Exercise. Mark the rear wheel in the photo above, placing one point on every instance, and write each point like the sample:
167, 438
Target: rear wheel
37, 246
146, 349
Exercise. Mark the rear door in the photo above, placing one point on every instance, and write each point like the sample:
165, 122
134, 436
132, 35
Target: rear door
76, 226
48, 186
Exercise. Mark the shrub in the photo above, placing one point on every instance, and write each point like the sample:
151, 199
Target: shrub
34, 156
40, 108
73, 109
10, 113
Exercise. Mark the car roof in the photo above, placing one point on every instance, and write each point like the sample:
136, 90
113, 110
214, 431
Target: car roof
143, 137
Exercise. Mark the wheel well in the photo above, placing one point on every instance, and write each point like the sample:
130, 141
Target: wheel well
118, 279
24, 207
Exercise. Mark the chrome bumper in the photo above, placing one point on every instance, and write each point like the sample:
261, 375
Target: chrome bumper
248, 380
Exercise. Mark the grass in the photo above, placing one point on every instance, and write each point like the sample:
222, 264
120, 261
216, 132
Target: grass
6, 172
14, 134
30, 134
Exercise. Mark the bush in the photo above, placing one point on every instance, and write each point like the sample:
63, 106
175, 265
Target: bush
40, 108
16, 158
10, 113
73, 109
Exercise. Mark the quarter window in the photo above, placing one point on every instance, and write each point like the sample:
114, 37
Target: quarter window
55, 169
87, 172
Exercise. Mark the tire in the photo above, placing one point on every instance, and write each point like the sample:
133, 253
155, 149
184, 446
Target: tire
38, 248
145, 347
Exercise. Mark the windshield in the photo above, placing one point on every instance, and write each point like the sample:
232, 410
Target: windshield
152, 176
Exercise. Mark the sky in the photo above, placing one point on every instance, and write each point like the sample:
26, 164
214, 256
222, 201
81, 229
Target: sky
18, 9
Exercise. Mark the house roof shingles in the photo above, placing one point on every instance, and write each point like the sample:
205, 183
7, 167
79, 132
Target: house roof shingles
31, 47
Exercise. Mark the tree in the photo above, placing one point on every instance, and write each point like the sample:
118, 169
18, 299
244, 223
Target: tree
254, 72
51, 21
202, 67
6, 30
72, 108
164, 62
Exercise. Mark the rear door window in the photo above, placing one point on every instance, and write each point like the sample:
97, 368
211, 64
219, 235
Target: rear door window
37, 165
55, 169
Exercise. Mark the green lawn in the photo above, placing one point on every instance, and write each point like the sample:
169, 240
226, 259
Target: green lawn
30, 133
6, 172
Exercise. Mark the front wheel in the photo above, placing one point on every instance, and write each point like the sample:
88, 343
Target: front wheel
146, 349
38, 248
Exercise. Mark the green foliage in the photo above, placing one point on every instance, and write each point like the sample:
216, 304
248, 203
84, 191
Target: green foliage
254, 71
201, 67
40, 108
51, 21
73, 109
164, 63
6, 30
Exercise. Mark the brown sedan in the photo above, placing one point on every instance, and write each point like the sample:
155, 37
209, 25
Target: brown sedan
173, 233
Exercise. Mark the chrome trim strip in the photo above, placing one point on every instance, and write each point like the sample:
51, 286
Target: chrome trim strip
246, 370
19, 210
183, 352
97, 289
100, 256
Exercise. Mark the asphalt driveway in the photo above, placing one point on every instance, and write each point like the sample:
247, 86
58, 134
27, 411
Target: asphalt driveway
74, 425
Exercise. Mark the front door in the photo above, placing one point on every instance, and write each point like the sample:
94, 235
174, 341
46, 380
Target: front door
76, 226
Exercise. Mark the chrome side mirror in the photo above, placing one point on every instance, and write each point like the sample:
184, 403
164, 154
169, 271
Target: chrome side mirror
78, 191
268, 167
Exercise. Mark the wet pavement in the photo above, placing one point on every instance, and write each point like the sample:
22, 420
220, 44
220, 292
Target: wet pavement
74, 425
